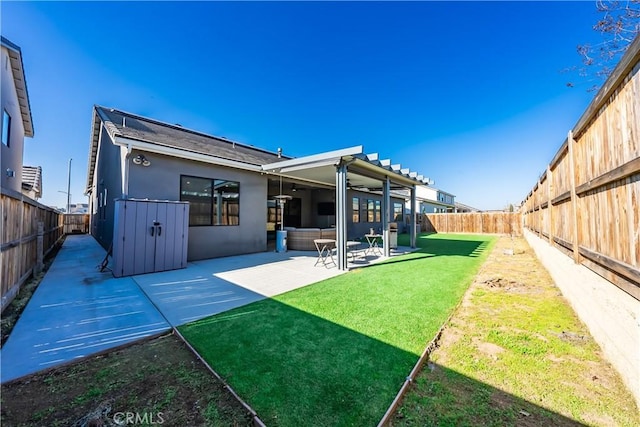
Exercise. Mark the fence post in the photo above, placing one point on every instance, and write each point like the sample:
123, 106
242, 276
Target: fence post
574, 200
40, 249
549, 204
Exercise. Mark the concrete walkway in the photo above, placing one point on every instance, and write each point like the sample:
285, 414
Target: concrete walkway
77, 311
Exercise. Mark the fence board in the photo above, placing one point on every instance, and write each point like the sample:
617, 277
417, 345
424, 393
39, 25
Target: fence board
595, 183
76, 224
473, 222
18, 249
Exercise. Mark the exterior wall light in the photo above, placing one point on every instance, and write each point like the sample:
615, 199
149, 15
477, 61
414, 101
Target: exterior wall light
141, 160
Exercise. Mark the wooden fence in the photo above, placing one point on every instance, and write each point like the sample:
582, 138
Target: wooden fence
76, 223
474, 222
19, 246
586, 203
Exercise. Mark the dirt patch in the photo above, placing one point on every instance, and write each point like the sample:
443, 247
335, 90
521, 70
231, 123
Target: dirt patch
515, 353
572, 337
154, 382
490, 349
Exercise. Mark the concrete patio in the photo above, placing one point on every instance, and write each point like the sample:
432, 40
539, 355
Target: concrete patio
78, 311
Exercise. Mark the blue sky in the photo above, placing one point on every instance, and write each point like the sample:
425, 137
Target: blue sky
470, 94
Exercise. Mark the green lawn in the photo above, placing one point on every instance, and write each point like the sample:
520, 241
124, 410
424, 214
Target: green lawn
337, 352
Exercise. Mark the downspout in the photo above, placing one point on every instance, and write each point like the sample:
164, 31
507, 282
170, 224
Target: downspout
125, 172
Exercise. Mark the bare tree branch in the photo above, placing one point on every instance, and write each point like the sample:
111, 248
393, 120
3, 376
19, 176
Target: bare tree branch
619, 26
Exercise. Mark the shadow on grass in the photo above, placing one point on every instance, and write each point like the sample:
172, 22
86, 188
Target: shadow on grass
295, 368
443, 397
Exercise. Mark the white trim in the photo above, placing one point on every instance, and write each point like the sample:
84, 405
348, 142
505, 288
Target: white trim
183, 154
331, 162
315, 158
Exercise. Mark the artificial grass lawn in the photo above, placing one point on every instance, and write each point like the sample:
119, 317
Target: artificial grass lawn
337, 352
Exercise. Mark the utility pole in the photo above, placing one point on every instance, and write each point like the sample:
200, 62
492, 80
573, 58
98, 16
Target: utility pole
69, 187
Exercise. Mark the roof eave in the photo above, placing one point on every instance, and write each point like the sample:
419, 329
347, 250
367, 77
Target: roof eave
152, 147
20, 81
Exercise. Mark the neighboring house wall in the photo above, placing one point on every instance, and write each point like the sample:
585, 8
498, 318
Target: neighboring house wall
107, 187
432, 200
12, 154
161, 181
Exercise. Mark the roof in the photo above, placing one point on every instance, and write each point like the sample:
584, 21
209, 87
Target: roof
152, 135
364, 170
467, 207
17, 68
141, 133
32, 179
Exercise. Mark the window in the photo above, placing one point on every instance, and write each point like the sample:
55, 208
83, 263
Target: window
397, 212
355, 206
370, 212
378, 211
6, 128
211, 201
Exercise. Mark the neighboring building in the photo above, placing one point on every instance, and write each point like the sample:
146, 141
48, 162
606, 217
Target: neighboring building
432, 200
462, 208
16, 116
32, 181
79, 208
229, 186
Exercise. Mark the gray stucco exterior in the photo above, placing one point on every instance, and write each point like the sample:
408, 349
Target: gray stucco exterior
107, 187
161, 181
11, 110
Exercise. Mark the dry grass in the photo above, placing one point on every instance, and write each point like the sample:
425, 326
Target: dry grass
515, 353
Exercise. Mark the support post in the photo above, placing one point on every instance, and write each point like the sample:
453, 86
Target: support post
412, 237
574, 200
386, 203
39, 249
341, 215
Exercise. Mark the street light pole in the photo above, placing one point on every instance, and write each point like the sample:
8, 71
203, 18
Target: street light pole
69, 188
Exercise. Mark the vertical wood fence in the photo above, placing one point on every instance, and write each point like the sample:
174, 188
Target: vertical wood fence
474, 222
586, 203
76, 223
20, 240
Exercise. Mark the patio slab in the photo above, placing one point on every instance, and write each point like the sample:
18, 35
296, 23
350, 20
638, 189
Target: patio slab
77, 311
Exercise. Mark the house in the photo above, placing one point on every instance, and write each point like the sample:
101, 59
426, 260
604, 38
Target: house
462, 208
32, 182
230, 186
79, 208
16, 116
432, 200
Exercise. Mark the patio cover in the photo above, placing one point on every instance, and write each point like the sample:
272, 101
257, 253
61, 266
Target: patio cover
333, 168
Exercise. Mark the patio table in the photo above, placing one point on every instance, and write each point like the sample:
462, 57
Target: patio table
325, 251
372, 239
352, 248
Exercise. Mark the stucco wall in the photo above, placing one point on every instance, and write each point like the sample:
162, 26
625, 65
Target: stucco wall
11, 155
161, 181
107, 177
